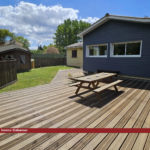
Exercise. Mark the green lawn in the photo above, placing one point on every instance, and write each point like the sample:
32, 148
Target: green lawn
34, 77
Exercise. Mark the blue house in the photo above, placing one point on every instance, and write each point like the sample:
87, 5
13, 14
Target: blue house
118, 43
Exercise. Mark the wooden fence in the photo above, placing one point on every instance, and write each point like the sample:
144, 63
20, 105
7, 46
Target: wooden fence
8, 72
49, 55
48, 61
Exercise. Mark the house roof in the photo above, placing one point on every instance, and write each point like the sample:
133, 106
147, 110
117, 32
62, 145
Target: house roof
12, 47
11, 42
113, 17
75, 45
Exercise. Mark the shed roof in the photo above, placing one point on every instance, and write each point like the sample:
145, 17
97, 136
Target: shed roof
113, 17
12, 47
75, 45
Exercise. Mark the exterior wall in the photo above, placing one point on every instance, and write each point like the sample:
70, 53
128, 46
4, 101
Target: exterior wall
17, 54
119, 31
77, 62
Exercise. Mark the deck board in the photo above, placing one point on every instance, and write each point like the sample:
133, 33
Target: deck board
120, 124
78, 138
55, 105
104, 123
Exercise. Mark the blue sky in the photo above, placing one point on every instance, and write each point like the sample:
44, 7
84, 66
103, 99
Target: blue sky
37, 20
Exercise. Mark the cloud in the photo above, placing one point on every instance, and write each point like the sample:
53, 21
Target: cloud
36, 22
30, 42
90, 19
33, 48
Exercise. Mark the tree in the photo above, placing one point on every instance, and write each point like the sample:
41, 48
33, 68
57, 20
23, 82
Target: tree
24, 41
51, 50
66, 33
40, 48
4, 33
36, 51
45, 47
43, 50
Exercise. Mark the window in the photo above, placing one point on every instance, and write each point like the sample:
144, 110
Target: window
93, 50
97, 51
128, 49
119, 49
22, 59
74, 53
133, 49
102, 50
9, 57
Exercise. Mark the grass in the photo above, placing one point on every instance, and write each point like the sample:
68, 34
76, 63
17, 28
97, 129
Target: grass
34, 77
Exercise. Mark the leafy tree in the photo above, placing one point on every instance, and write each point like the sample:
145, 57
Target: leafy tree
50, 45
4, 33
51, 50
40, 48
36, 51
24, 41
44, 48
66, 33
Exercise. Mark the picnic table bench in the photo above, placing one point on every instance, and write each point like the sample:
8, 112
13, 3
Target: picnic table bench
93, 82
100, 89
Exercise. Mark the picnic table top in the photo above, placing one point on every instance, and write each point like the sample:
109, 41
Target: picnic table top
94, 77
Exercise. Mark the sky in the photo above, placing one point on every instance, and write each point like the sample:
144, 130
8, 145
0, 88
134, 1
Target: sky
37, 20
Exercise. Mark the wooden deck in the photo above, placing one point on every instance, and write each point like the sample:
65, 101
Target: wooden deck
56, 106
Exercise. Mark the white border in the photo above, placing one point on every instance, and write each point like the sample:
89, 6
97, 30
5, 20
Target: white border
112, 49
98, 56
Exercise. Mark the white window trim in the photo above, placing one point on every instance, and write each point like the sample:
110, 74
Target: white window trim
101, 56
112, 49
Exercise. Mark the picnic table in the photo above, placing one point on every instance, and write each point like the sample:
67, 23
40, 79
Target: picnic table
92, 80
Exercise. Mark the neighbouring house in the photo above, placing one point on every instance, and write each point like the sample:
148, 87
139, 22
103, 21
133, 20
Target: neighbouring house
75, 54
118, 43
14, 50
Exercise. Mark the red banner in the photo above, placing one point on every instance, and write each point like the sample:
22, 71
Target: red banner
74, 130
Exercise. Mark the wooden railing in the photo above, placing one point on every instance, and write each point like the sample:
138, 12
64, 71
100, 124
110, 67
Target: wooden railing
8, 72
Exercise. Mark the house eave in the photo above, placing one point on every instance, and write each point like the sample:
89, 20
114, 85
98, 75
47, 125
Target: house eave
1, 52
73, 47
105, 19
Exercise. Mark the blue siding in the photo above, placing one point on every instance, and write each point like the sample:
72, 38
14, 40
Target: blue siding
119, 31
